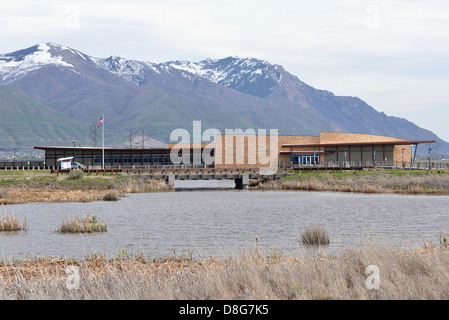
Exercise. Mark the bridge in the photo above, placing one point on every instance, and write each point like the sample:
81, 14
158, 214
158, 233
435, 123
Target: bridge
241, 177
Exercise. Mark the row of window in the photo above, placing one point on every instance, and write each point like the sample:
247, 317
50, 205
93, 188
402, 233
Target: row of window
146, 160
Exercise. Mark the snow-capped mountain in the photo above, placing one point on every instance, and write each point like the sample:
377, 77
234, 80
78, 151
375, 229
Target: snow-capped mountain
16, 65
132, 71
232, 92
248, 75
23, 63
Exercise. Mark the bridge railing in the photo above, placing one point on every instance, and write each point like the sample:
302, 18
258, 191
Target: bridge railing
282, 165
23, 165
341, 165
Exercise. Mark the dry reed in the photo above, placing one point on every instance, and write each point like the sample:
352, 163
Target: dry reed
111, 196
85, 224
315, 235
4, 194
418, 274
363, 183
10, 223
17, 194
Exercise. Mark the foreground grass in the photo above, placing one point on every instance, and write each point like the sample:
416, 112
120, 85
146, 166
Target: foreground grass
42, 186
418, 274
375, 181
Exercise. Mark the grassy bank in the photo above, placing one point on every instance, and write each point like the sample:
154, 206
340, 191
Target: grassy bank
376, 181
418, 274
42, 186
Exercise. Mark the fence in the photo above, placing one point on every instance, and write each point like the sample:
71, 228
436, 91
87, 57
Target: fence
40, 165
322, 165
341, 165
24, 165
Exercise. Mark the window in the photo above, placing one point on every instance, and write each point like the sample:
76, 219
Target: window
305, 159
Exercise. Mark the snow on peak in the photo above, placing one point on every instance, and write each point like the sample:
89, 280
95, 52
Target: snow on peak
235, 72
131, 70
121, 66
226, 71
16, 65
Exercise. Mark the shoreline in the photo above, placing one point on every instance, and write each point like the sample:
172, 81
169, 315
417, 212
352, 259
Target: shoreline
38, 187
25, 187
368, 182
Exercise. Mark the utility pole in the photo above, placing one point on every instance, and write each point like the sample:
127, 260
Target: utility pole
93, 129
143, 139
131, 138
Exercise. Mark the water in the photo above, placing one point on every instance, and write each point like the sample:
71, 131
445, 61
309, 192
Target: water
226, 222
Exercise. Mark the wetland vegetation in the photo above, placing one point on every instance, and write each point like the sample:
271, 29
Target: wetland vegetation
42, 186
404, 274
434, 182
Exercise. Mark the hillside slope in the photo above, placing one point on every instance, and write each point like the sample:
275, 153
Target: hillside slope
224, 93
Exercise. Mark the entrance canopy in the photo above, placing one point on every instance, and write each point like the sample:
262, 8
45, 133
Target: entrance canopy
65, 159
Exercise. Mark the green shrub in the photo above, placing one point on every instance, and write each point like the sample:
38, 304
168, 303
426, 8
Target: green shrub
76, 174
110, 196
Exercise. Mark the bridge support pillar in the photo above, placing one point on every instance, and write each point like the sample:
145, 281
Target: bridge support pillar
242, 182
170, 179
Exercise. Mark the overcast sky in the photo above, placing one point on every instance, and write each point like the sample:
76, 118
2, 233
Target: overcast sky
392, 54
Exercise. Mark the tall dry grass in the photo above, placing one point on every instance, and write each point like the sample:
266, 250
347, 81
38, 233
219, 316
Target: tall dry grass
139, 185
364, 183
22, 193
86, 224
315, 235
419, 274
10, 222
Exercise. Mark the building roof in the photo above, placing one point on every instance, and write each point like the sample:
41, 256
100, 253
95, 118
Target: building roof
394, 142
106, 149
303, 152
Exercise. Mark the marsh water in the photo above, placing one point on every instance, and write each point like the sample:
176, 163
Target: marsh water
223, 222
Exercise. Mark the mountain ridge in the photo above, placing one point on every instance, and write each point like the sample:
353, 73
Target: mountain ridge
231, 92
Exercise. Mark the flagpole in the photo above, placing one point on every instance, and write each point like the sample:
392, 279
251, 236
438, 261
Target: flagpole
102, 150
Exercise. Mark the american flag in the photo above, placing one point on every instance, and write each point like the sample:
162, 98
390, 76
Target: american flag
100, 121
